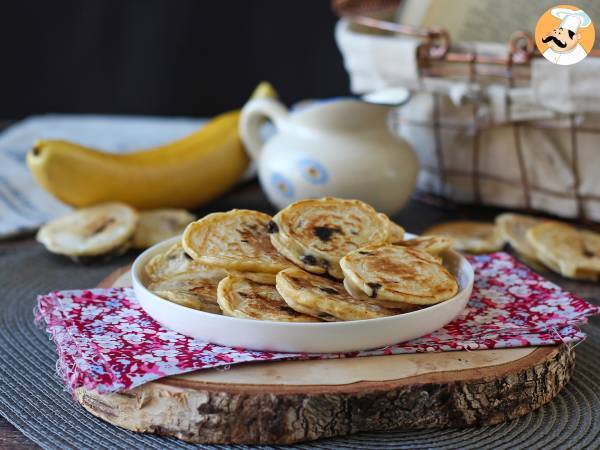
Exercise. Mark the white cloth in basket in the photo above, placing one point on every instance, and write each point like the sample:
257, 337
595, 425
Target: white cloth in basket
547, 152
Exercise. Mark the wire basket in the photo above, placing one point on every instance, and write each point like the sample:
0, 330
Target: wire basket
549, 155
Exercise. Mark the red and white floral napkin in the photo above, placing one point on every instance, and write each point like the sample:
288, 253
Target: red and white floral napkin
105, 341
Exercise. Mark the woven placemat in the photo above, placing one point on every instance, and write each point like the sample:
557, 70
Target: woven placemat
32, 396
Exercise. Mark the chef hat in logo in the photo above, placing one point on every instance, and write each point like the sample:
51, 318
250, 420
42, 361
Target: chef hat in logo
571, 20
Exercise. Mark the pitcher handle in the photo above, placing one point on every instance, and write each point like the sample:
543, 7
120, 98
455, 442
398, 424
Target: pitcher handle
252, 117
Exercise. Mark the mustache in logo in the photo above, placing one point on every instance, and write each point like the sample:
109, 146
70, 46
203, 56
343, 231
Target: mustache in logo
555, 40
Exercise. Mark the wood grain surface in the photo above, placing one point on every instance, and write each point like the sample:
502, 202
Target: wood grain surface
292, 401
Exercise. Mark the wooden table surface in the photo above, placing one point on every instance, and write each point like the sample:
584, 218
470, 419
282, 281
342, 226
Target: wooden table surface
415, 217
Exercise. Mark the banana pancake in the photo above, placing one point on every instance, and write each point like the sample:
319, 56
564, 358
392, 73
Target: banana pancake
235, 240
513, 229
176, 260
398, 307
433, 245
173, 261
93, 231
197, 290
566, 250
315, 234
471, 237
325, 298
240, 297
396, 273
157, 225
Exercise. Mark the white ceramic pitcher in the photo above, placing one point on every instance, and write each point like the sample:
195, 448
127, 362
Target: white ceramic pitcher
341, 148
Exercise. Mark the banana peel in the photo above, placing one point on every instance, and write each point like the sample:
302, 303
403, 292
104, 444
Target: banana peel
182, 174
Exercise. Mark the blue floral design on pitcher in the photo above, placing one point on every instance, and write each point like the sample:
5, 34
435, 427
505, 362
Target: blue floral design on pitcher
313, 171
282, 185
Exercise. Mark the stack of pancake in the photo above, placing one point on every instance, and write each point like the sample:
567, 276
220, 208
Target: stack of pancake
323, 259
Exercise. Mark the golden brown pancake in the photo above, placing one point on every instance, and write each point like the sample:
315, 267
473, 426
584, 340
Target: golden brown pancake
399, 307
325, 298
566, 250
240, 297
316, 233
433, 245
396, 273
173, 261
235, 240
471, 237
197, 290
513, 229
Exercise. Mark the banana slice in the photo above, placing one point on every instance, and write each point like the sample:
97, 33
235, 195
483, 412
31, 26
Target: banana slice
157, 225
94, 231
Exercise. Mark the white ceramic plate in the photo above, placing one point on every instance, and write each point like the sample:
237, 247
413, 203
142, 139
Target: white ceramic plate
323, 337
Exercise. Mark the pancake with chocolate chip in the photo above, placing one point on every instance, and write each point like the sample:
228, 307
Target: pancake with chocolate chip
176, 260
398, 274
315, 234
325, 298
398, 307
566, 250
240, 297
169, 263
469, 236
197, 290
235, 240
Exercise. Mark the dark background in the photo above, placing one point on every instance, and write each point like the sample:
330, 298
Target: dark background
162, 57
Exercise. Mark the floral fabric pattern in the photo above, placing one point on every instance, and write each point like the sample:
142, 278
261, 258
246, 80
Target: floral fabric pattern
106, 341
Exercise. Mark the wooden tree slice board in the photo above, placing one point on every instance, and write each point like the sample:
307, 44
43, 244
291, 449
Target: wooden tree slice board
292, 401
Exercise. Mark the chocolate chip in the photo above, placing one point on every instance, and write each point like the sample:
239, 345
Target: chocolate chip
187, 256
272, 227
588, 253
324, 233
288, 310
328, 290
309, 260
374, 287
326, 316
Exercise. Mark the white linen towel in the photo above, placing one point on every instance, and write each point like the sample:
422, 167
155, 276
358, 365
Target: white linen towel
24, 206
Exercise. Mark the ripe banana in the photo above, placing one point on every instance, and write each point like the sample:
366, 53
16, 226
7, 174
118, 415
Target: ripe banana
182, 174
